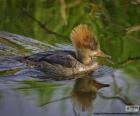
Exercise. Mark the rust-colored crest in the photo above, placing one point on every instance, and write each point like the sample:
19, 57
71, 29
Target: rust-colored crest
82, 37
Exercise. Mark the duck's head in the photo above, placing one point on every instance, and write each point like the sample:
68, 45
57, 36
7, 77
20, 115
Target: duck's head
86, 45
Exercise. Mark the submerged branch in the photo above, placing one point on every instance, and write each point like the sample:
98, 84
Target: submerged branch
42, 25
121, 98
118, 94
118, 97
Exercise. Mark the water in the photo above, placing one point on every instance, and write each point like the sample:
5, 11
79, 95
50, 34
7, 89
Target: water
22, 93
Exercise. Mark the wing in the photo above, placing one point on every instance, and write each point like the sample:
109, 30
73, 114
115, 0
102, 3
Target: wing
64, 58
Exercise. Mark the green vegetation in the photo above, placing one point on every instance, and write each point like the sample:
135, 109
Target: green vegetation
8, 72
115, 22
21, 50
45, 91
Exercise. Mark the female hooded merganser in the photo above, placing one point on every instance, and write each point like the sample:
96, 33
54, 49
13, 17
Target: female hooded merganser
65, 63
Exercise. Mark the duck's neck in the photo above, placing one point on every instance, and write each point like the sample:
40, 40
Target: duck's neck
85, 56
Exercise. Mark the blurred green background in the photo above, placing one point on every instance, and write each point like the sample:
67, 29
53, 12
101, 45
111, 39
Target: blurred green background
116, 24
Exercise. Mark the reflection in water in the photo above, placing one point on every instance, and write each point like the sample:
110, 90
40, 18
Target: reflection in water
84, 92
37, 98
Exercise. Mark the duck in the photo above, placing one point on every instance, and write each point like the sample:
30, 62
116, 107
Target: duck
66, 64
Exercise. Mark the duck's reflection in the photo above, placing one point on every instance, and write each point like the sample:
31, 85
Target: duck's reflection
84, 93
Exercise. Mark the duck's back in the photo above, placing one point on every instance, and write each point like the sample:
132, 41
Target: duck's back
61, 57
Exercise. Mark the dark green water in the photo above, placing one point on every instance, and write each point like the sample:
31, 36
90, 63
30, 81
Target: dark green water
117, 27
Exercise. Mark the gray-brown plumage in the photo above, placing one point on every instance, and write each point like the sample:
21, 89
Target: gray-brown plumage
62, 63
